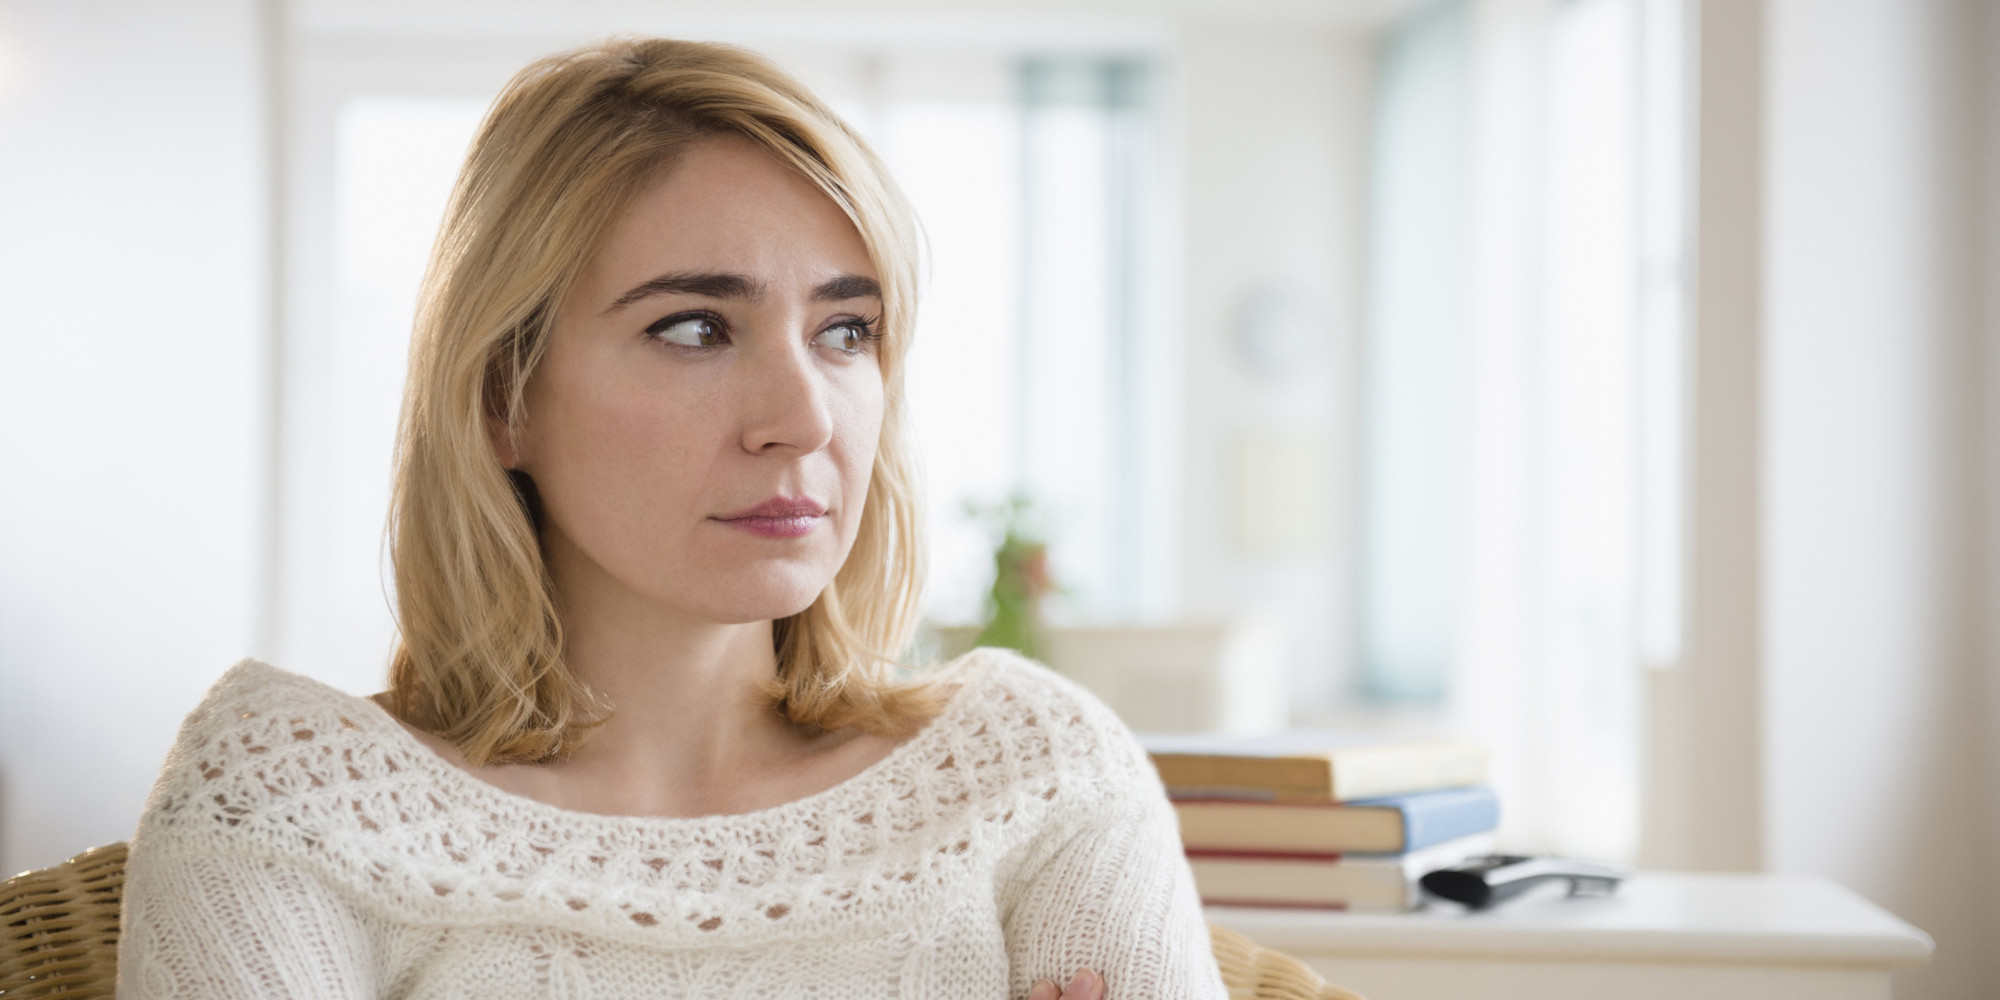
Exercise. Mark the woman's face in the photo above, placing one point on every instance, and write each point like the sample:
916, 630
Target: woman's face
702, 426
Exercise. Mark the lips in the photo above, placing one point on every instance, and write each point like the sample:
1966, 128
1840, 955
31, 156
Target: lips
780, 507
778, 517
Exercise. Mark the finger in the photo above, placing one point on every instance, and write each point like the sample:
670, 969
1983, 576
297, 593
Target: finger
1086, 985
1043, 990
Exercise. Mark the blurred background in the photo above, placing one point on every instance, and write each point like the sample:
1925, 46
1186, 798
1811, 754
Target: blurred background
1611, 381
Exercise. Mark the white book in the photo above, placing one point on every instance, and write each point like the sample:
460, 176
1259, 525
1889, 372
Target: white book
1326, 881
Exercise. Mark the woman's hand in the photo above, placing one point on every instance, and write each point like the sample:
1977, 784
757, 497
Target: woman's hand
1087, 985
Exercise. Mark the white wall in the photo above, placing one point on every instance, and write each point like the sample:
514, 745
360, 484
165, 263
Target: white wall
131, 396
1880, 768
1274, 117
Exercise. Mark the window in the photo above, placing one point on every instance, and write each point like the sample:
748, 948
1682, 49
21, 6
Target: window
1521, 528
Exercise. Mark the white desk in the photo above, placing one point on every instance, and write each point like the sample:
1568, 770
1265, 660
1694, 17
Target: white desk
1664, 936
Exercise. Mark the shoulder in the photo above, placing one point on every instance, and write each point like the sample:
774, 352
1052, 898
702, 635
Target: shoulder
259, 749
255, 711
1076, 779
255, 695
1045, 724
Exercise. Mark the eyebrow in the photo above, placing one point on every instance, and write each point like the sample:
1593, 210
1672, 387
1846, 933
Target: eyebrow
847, 286
729, 285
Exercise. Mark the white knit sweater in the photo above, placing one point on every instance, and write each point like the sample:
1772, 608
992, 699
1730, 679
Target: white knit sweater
301, 843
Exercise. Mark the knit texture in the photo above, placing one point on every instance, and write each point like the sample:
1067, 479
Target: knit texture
301, 843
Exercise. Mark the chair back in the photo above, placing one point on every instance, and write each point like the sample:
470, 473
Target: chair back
1256, 973
59, 928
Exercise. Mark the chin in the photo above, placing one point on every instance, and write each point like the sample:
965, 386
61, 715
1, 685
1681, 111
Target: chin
762, 597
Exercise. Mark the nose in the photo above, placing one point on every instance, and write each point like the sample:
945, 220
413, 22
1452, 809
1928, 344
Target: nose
784, 400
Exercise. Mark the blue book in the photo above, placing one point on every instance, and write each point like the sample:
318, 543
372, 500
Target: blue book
1391, 824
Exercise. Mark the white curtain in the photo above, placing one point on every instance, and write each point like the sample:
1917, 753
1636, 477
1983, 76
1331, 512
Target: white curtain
1571, 511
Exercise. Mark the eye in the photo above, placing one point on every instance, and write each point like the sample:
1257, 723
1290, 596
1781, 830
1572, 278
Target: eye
848, 336
689, 330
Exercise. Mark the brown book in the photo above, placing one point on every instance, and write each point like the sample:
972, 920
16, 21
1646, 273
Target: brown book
1309, 765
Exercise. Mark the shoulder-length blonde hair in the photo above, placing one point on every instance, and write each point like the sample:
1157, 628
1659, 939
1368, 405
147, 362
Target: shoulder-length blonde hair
569, 142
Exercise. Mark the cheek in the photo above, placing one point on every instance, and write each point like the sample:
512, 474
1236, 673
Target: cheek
860, 404
859, 410
616, 449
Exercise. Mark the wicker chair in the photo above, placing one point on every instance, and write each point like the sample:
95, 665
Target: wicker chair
1254, 973
59, 938
59, 927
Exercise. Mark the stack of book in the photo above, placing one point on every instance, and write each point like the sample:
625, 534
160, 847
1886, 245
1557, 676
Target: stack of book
1308, 820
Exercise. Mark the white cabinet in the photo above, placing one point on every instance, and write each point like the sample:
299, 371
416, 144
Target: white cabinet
1189, 678
1664, 936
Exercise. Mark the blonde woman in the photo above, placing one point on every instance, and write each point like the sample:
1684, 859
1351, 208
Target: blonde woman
654, 540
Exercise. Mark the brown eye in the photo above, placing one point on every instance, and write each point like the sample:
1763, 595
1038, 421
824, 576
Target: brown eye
847, 338
689, 331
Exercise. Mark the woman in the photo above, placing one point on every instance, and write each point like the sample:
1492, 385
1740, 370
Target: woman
654, 538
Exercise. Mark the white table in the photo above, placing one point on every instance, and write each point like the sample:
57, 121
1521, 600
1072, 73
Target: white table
1664, 936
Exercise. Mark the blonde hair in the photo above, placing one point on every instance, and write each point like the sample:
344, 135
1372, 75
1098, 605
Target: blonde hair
568, 143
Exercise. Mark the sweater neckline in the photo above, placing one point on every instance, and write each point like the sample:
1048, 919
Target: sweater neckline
456, 779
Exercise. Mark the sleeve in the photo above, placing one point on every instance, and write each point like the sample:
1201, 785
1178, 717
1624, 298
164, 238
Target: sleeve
1113, 894
228, 927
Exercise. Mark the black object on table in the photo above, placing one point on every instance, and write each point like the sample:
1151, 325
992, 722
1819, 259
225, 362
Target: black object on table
1495, 878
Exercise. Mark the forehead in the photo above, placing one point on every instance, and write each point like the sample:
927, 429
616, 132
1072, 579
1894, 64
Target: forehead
727, 205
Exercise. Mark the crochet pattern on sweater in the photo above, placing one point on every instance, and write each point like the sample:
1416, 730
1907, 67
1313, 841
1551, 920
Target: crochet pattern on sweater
300, 843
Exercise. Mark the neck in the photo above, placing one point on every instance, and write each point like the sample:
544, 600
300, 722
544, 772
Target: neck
688, 694
684, 695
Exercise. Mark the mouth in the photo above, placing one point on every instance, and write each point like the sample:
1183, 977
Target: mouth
778, 517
